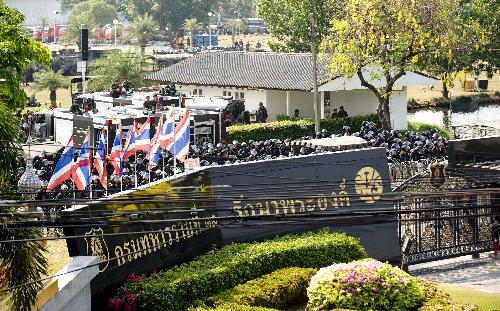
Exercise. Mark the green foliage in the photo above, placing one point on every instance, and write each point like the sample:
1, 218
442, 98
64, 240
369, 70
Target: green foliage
92, 14
144, 27
17, 51
422, 127
52, 81
21, 263
364, 284
177, 288
116, 65
10, 135
279, 290
288, 21
387, 38
436, 299
293, 128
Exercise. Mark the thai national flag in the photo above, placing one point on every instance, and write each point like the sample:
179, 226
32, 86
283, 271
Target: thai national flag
64, 166
154, 152
81, 173
182, 136
115, 156
167, 133
100, 160
129, 147
143, 139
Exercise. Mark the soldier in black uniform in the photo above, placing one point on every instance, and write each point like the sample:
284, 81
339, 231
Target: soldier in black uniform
128, 85
115, 89
261, 113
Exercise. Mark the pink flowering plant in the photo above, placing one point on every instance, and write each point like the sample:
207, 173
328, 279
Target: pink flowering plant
363, 285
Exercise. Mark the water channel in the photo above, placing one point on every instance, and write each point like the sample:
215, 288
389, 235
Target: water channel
488, 115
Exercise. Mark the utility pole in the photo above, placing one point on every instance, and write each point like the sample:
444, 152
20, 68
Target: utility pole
317, 108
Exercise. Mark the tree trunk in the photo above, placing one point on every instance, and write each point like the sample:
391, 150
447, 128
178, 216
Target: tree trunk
383, 113
43, 31
192, 39
143, 49
53, 97
446, 91
233, 36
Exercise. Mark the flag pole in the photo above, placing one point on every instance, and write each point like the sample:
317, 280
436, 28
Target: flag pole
162, 152
134, 128
175, 158
90, 164
121, 161
105, 170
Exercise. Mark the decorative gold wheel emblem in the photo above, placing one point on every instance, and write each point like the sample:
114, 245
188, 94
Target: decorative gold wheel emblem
96, 246
368, 184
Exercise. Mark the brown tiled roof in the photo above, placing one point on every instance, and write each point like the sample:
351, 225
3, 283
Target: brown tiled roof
279, 71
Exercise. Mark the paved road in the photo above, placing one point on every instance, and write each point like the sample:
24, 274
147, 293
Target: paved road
482, 273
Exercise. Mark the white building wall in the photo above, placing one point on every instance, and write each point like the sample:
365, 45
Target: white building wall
363, 102
252, 97
275, 103
304, 101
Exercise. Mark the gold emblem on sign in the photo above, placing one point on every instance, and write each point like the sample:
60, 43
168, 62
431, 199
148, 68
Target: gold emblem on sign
96, 246
368, 184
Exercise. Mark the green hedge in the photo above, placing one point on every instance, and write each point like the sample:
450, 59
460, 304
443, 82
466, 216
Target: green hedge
177, 288
279, 290
294, 128
422, 127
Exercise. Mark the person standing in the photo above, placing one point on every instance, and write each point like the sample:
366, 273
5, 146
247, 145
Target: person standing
342, 113
262, 113
296, 114
335, 114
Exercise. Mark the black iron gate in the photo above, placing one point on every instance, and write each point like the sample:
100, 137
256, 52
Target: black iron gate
450, 220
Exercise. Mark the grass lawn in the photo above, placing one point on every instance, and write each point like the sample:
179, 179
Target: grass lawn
464, 295
43, 97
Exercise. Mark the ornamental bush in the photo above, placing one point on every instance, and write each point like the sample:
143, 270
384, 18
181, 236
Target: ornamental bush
366, 284
177, 288
294, 128
279, 290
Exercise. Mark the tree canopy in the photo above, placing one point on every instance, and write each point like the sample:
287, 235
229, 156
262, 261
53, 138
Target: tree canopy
92, 14
289, 21
115, 65
52, 81
386, 38
17, 51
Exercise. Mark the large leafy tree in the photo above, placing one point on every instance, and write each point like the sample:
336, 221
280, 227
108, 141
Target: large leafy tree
383, 39
21, 264
143, 28
68, 5
92, 14
115, 65
52, 81
289, 21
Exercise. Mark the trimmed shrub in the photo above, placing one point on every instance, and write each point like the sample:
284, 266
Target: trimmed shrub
177, 288
278, 290
294, 128
364, 284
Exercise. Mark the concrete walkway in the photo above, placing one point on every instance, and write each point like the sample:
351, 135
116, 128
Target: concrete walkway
482, 273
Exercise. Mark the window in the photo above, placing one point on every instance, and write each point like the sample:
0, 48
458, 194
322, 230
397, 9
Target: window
224, 93
195, 92
237, 95
200, 92
242, 95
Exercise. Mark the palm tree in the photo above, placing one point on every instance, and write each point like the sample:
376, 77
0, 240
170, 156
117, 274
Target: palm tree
51, 80
191, 25
43, 20
21, 264
233, 24
144, 27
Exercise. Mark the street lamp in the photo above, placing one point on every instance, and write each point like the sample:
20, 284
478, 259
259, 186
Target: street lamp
55, 14
115, 23
210, 14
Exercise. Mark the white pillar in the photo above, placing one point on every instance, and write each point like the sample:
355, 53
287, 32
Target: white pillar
288, 99
322, 104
